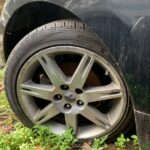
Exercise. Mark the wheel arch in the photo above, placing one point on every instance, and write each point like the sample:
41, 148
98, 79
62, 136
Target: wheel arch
27, 18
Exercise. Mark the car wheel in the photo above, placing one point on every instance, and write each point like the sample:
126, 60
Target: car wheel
62, 75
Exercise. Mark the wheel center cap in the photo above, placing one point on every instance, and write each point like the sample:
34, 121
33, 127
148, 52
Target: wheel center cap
70, 96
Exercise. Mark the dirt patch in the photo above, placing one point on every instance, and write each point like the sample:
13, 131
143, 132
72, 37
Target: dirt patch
6, 123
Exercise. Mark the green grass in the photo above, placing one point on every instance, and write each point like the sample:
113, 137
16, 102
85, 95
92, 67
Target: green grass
4, 106
23, 138
1, 75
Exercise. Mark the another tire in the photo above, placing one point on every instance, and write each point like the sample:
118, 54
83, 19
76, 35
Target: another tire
66, 63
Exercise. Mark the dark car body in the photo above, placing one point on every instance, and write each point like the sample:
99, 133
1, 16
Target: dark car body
123, 25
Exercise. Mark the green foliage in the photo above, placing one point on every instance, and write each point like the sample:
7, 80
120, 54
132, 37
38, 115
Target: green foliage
23, 138
99, 144
2, 74
121, 142
135, 139
49, 139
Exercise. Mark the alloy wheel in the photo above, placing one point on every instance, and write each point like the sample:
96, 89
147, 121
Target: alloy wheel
71, 87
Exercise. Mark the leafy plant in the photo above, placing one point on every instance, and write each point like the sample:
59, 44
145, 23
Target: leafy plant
100, 143
49, 139
121, 141
23, 138
135, 139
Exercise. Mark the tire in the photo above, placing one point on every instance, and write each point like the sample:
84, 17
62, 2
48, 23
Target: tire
65, 34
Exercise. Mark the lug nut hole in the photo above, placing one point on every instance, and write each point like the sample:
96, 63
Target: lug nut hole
64, 87
58, 97
78, 91
80, 103
67, 106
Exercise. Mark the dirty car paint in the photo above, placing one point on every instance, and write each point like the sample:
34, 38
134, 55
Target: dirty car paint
124, 26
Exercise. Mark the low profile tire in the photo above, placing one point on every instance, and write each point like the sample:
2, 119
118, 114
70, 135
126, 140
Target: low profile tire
61, 75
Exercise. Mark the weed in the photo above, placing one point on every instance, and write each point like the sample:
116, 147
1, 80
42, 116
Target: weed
135, 139
121, 142
23, 138
99, 144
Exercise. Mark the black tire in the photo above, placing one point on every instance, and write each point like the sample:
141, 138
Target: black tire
56, 33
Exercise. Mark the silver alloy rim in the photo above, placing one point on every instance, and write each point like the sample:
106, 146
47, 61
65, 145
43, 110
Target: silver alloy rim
67, 95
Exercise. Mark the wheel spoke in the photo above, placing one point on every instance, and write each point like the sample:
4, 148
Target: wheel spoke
38, 90
45, 114
72, 122
96, 117
80, 76
52, 70
111, 91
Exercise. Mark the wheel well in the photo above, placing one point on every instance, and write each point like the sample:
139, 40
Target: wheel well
28, 18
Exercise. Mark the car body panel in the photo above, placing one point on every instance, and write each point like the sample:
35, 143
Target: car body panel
124, 26
142, 126
127, 10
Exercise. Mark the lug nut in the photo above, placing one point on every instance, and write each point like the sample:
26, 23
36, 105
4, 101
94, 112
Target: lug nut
67, 106
80, 103
78, 91
64, 87
58, 97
